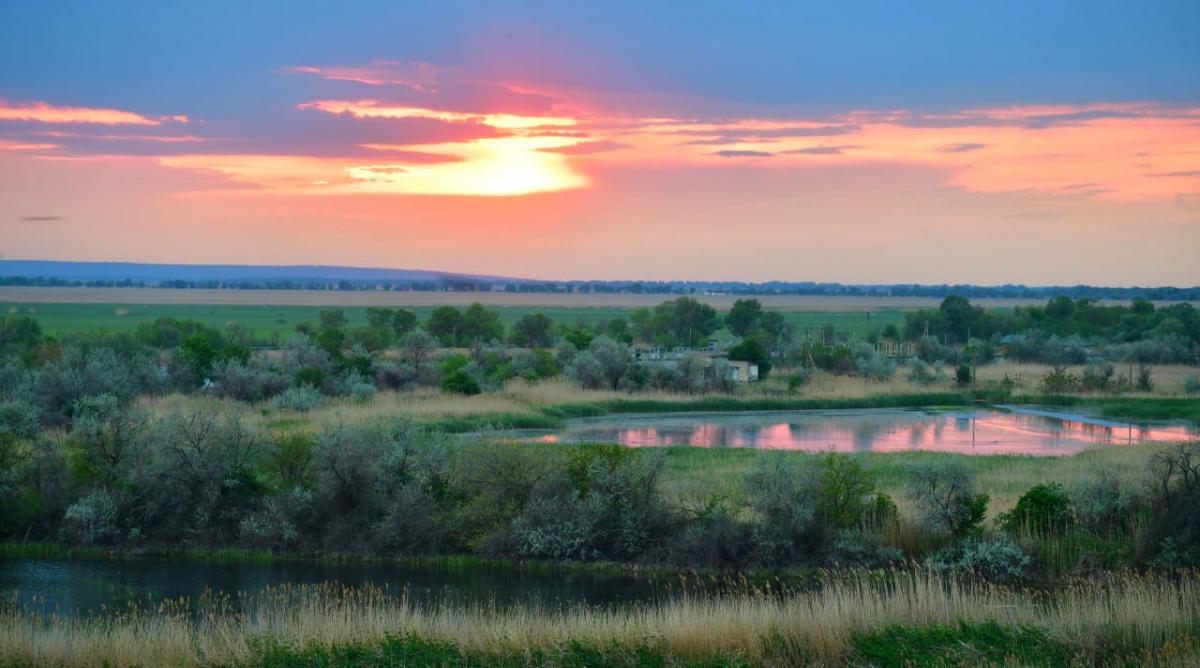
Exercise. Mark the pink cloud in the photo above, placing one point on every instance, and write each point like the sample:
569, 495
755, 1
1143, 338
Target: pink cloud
43, 112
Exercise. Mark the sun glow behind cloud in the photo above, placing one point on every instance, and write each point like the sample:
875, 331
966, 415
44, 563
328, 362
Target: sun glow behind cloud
495, 138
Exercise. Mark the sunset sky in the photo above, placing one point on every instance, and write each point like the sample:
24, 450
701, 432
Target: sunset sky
862, 142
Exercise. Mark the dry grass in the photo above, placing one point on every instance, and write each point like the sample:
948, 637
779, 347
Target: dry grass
1147, 612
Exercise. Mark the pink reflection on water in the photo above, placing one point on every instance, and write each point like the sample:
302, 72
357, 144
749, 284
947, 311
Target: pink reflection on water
970, 432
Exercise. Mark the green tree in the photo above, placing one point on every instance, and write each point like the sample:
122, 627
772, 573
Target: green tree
480, 325
533, 330
744, 316
750, 350
445, 324
685, 321
199, 353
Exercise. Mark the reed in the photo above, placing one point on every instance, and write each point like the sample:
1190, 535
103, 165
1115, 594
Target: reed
1132, 615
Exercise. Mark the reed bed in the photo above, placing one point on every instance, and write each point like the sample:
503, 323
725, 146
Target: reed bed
1144, 614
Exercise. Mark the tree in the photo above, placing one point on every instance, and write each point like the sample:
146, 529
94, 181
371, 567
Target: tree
480, 325
533, 330
685, 321
461, 382
445, 323
199, 354
750, 350
744, 316
396, 321
332, 319
416, 347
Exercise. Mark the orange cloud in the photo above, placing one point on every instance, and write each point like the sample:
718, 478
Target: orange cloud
16, 146
42, 112
374, 109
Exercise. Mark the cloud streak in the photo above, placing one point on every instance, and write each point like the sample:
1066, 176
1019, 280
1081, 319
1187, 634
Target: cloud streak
43, 112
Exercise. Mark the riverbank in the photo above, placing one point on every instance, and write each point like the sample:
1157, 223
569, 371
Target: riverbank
852, 620
550, 404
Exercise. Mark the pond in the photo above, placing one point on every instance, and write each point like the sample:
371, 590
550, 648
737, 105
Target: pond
83, 586
990, 430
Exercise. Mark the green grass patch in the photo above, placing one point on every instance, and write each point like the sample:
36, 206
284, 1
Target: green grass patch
269, 321
987, 643
411, 650
719, 404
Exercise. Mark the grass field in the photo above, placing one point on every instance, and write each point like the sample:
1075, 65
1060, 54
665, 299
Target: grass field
268, 320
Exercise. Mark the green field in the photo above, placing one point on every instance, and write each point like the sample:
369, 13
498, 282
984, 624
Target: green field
268, 321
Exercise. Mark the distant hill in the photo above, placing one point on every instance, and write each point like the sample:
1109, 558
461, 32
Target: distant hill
330, 277
161, 274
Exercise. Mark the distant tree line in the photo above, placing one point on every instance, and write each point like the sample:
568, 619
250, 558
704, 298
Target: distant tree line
466, 284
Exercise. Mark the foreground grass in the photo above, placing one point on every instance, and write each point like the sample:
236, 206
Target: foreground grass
859, 618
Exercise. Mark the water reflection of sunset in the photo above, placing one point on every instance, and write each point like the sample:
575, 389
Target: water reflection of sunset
979, 431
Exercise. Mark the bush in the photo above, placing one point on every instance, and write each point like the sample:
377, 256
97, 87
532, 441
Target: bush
461, 382
607, 507
1174, 485
1105, 505
247, 381
870, 364
1145, 383
855, 549
944, 493
784, 495
998, 559
844, 490
713, 535
354, 385
963, 375
1044, 509
925, 374
299, 399
1191, 385
310, 377
586, 370
93, 520
19, 420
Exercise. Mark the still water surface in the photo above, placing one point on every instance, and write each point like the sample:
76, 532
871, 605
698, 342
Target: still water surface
983, 430
82, 587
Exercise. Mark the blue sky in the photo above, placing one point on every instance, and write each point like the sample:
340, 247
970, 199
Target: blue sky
400, 134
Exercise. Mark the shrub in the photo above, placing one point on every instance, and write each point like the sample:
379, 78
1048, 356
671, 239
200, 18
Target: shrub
925, 374
19, 420
844, 488
870, 364
1105, 505
784, 494
310, 377
963, 375
354, 385
247, 381
1145, 383
586, 370
1044, 509
461, 382
944, 493
855, 549
1191, 385
93, 520
608, 507
1174, 494
299, 399
713, 535
997, 559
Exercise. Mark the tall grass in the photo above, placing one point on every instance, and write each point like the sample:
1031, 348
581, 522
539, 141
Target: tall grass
1136, 614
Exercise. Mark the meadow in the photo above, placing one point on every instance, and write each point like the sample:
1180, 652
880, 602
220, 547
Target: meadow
268, 322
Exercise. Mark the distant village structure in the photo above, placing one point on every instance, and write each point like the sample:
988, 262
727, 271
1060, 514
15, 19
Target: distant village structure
739, 371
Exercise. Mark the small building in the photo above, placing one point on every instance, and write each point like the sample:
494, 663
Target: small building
743, 372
